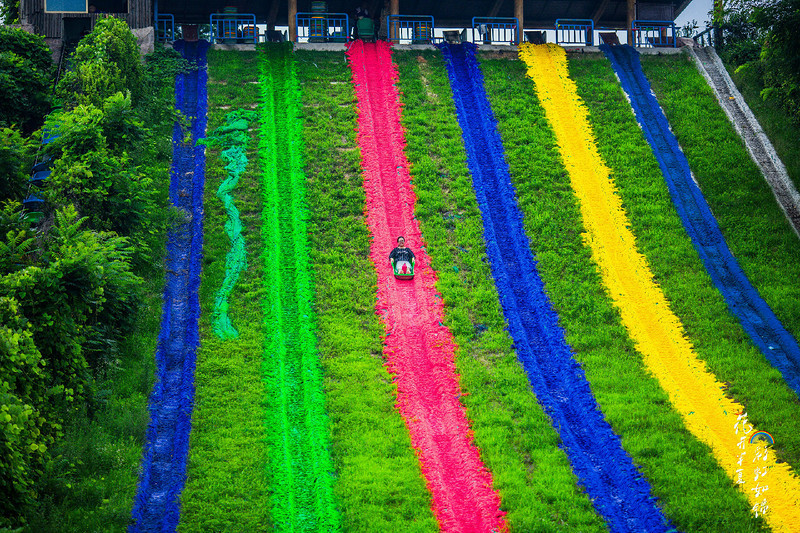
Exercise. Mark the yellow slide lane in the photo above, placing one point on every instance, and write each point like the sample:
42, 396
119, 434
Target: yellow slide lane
658, 334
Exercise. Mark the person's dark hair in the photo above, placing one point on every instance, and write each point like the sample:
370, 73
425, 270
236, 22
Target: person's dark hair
401, 237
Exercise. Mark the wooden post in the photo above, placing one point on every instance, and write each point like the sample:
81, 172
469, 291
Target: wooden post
519, 12
292, 20
631, 18
394, 9
598, 13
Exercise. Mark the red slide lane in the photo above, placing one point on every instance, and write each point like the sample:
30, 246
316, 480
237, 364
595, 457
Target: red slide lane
418, 348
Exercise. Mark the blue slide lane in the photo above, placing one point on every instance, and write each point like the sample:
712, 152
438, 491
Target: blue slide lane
157, 505
619, 492
743, 300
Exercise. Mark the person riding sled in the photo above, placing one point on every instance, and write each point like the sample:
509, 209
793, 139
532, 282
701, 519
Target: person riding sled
402, 260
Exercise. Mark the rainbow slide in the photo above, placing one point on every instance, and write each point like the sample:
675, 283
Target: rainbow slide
744, 302
656, 331
618, 491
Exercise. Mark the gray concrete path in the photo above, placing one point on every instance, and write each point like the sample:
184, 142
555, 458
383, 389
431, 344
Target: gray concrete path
759, 146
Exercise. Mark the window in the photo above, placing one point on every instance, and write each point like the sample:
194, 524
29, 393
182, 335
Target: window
66, 6
86, 6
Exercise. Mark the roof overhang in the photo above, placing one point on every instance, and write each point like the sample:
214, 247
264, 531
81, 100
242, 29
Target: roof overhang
446, 13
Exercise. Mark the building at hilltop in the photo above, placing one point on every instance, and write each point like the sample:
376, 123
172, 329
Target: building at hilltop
68, 19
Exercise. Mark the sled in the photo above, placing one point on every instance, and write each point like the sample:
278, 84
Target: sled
403, 269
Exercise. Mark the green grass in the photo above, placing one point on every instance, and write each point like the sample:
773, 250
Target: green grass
754, 226
783, 133
379, 485
91, 484
694, 492
517, 441
226, 488
715, 333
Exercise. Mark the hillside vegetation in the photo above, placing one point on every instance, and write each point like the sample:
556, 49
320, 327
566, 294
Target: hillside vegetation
80, 294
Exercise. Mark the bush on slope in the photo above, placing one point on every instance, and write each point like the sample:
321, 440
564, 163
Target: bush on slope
782, 131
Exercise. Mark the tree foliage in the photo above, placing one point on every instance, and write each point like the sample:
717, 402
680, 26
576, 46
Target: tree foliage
106, 62
764, 35
63, 308
25, 433
15, 160
113, 136
779, 58
69, 289
9, 12
94, 170
25, 75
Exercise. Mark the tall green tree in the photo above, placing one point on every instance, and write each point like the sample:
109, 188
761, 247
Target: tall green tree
9, 11
763, 36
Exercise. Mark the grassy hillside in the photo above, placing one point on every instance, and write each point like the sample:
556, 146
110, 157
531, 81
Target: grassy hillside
226, 483
695, 493
377, 485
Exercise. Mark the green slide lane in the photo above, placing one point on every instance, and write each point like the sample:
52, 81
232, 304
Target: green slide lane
300, 466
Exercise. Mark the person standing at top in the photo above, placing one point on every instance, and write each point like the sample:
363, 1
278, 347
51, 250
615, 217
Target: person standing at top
361, 13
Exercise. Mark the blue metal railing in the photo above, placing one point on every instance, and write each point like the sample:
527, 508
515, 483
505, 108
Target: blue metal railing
652, 33
705, 37
414, 29
233, 27
489, 30
322, 27
575, 31
165, 27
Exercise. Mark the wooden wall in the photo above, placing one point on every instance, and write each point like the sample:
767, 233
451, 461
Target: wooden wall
140, 15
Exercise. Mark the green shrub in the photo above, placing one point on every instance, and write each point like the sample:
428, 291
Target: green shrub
16, 249
156, 107
58, 318
79, 296
24, 433
106, 62
25, 77
15, 162
9, 12
95, 171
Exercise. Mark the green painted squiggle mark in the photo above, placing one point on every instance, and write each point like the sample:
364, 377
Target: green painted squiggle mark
233, 137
